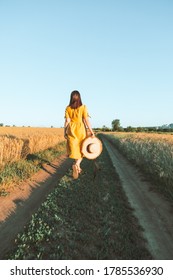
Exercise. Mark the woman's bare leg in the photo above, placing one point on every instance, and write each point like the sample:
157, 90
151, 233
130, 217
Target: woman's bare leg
78, 162
76, 168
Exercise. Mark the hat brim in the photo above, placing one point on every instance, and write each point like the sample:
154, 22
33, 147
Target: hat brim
88, 141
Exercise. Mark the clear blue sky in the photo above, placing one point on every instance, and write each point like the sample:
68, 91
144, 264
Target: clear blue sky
117, 53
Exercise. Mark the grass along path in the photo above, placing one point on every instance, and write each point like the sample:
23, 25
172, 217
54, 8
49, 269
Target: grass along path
12, 174
83, 219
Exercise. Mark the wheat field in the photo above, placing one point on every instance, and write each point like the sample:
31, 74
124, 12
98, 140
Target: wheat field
152, 152
17, 142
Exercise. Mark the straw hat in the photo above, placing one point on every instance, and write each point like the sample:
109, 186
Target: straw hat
91, 147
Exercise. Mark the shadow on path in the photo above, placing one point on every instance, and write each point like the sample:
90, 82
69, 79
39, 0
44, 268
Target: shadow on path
26, 200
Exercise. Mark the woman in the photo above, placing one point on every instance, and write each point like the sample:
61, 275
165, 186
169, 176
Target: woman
76, 121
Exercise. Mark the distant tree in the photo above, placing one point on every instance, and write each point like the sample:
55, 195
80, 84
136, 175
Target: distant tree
1, 124
116, 125
105, 128
130, 129
152, 129
140, 129
121, 129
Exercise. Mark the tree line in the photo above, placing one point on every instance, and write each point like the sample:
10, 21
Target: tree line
116, 126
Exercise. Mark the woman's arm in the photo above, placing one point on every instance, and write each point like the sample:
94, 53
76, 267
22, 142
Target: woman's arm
66, 123
88, 124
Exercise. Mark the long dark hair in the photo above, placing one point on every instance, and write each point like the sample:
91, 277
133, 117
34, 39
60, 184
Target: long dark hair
75, 100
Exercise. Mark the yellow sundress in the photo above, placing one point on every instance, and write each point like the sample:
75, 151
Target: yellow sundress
76, 131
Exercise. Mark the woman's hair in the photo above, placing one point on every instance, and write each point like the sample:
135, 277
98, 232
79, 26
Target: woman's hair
75, 100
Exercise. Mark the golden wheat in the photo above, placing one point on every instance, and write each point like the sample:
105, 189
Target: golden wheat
18, 142
153, 152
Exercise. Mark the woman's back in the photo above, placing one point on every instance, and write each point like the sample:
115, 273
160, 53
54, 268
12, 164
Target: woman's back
76, 115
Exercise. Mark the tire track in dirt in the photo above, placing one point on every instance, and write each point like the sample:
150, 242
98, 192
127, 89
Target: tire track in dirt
152, 210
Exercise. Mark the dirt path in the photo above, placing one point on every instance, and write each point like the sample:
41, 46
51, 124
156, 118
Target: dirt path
88, 218
16, 209
152, 210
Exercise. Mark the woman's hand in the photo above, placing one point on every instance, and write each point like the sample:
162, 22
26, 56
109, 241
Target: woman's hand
65, 135
67, 121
